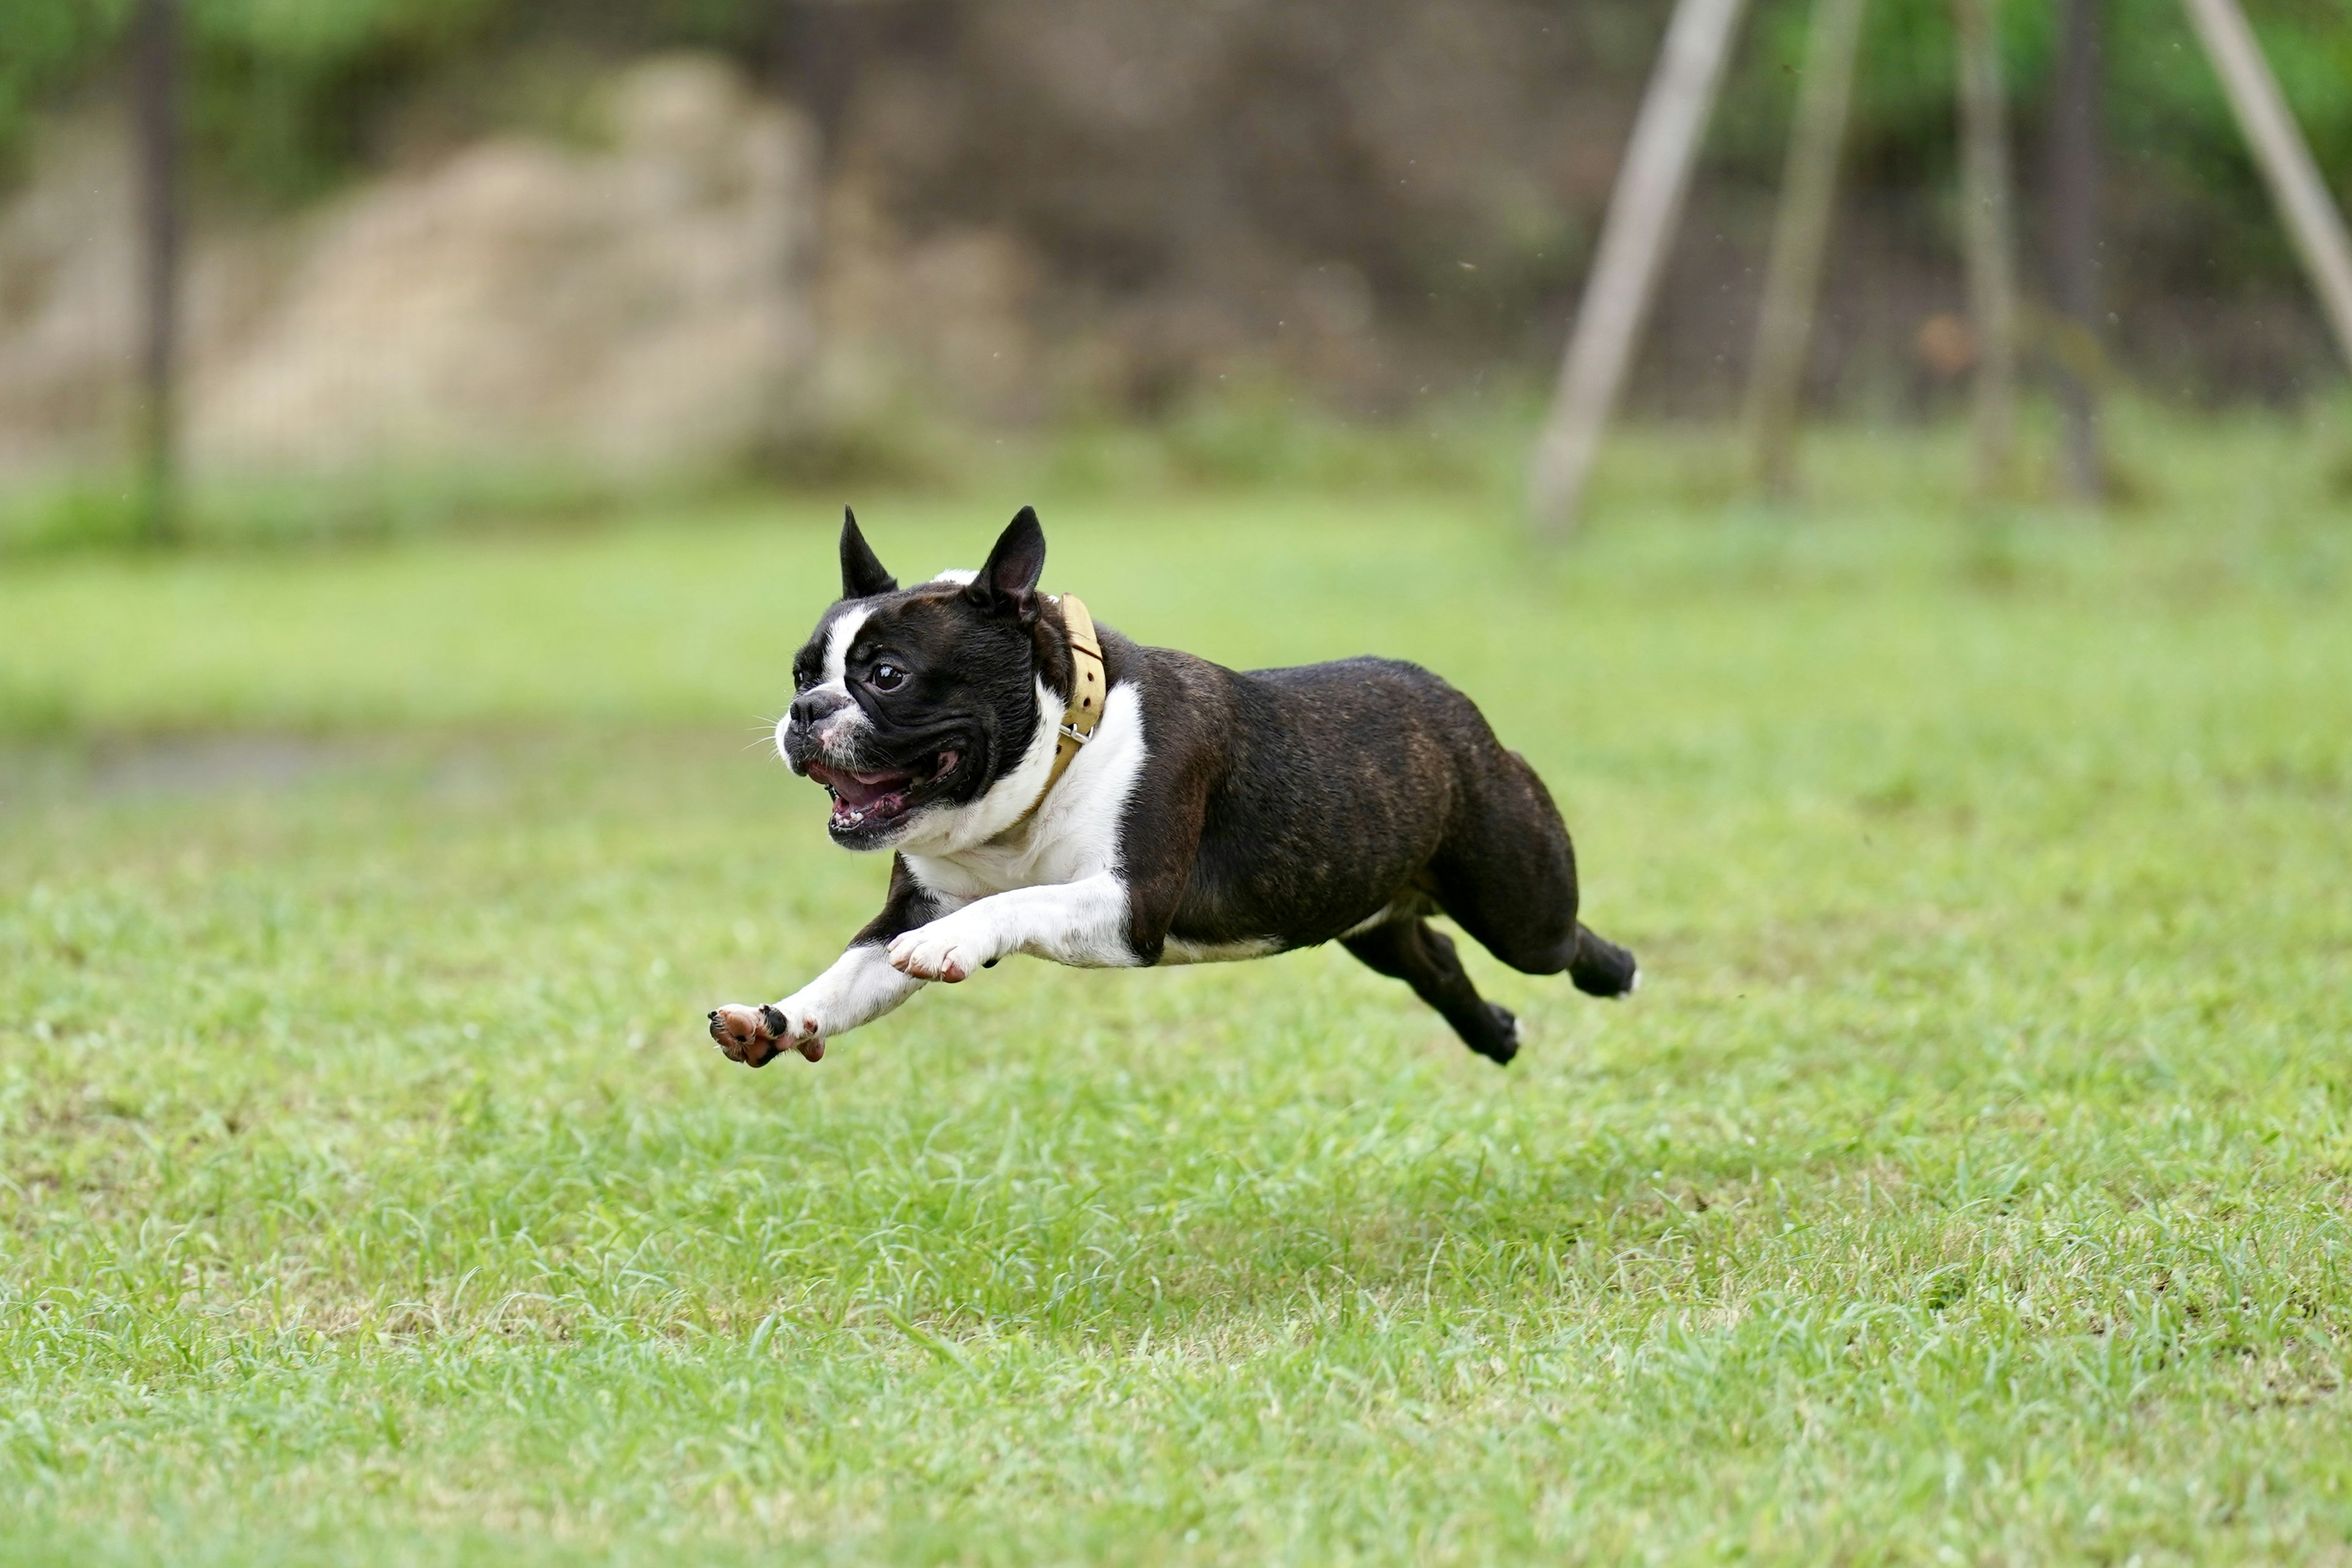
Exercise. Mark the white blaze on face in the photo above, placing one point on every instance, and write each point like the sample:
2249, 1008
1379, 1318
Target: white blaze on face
836, 648
834, 732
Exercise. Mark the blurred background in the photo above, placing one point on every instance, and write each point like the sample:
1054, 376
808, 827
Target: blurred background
387, 787
450, 255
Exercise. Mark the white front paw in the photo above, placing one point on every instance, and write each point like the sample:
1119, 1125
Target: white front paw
949, 950
757, 1036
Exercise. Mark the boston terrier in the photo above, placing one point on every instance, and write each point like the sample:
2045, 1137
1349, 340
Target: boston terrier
1046, 786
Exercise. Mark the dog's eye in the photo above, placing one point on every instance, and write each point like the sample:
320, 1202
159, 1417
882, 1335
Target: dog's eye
888, 678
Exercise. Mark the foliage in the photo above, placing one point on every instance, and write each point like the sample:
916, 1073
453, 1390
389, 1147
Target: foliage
2163, 100
44, 47
289, 90
289, 95
2169, 127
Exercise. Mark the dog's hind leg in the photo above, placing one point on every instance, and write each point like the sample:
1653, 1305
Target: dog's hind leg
1506, 871
1599, 967
1423, 958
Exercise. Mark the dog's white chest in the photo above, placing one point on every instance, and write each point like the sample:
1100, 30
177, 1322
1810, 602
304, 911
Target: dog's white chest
1076, 833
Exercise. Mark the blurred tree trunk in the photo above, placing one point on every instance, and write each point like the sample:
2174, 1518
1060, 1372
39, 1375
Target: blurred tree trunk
2074, 242
1784, 327
1992, 263
1634, 234
155, 88
2284, 159
818, 46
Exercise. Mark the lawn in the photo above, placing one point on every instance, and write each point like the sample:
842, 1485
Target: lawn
1970, 1180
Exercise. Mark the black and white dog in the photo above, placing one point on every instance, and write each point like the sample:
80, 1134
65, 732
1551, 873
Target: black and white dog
1103, 803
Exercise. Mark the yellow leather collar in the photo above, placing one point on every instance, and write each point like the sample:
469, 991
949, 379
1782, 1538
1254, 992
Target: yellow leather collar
1088, 693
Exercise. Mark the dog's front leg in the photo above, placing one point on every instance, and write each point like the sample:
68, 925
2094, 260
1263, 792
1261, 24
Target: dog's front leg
861, 986
1083, 923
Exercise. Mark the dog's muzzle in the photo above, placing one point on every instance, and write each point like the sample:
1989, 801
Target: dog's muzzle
815, 705
820, 726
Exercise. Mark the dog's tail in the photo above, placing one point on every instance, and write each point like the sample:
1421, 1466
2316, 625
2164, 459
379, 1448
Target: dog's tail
1601, 968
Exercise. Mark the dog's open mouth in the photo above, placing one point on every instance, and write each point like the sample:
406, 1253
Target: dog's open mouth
862, 802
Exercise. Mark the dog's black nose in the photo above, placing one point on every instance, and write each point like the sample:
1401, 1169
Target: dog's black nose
811, 706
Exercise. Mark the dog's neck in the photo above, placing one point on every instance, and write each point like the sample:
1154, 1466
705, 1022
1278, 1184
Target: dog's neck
1084, 710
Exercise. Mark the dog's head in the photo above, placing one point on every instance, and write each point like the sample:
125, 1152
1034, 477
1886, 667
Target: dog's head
910, 706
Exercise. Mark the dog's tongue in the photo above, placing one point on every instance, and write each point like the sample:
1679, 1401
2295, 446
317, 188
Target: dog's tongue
860, 790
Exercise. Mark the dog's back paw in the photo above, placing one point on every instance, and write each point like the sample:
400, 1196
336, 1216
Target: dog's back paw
1601, 968
1498, 1042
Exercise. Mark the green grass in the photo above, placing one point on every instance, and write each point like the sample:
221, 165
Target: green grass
1970, 1180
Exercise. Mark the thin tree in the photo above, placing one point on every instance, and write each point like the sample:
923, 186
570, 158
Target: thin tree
2312, 220
156, 90
1985, 218
1800, 231
1634, 233
2074, 243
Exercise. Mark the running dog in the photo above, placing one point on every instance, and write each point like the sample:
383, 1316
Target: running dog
1046, 786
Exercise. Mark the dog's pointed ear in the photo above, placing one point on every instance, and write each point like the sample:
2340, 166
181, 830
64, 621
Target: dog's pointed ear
862, 572
1009, 581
